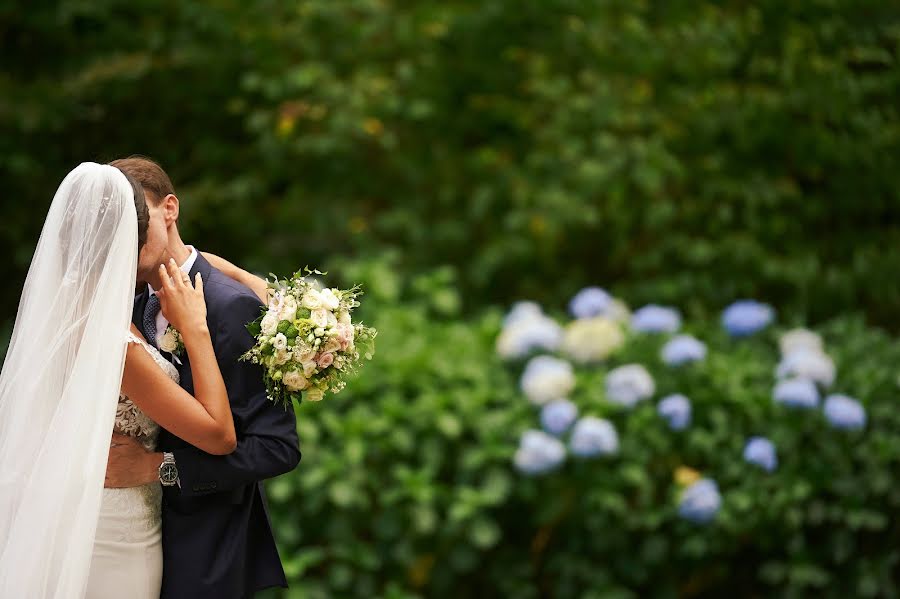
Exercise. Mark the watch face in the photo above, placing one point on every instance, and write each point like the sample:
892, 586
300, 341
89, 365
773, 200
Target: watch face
168, 474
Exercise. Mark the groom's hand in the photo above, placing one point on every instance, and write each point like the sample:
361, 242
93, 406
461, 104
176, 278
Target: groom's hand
130, 465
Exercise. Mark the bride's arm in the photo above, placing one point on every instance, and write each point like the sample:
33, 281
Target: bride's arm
203, 420
255, 283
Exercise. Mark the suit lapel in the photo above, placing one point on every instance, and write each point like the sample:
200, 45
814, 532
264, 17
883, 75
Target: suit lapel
202, 266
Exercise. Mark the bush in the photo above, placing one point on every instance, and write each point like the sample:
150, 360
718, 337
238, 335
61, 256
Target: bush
681, 150
407, 485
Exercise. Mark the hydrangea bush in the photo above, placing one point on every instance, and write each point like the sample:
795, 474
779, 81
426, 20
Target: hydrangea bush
435, 471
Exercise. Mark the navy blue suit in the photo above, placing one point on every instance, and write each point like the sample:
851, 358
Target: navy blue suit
216, 536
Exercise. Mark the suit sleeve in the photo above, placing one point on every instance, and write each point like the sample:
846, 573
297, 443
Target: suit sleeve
267, 432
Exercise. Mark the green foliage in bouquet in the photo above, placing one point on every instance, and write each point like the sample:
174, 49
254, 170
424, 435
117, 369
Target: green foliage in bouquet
306, 339
408, 485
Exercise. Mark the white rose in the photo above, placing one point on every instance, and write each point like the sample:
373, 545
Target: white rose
329, 299
312, 299
282, 356
319, 332
269, 323
344, 317
309, 367
288, 309
319, 316
294, 381
167, 342
332, 319
314, 394
280, 341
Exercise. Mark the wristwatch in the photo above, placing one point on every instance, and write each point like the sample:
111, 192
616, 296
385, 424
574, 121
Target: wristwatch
168, 472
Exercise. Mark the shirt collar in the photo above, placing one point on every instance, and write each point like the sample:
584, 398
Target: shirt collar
185, 268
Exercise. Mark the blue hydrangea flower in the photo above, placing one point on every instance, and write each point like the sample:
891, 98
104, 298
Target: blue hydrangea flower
557, 416
677, 410
538, 453
796, 393
546, 378
845, 413
683, 349
700, 502
590, 302
656, 319
594, 437
761, 452
746, 317
629, 384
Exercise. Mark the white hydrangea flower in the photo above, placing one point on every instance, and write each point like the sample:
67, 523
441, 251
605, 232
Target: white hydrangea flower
547, 378
629, 384
814, 365
592, 339
522, 311
527, 331
800, 339
618, 311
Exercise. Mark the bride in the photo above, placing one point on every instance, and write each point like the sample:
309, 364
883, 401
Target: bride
73, 374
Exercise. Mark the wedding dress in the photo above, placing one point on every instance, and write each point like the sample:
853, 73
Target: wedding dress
127, 557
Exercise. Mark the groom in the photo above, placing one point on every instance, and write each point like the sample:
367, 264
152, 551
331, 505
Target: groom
216, 536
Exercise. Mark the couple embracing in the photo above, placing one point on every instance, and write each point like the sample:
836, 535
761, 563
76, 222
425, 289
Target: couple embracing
174, 506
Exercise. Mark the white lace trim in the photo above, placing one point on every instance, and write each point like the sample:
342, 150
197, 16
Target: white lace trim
130, 420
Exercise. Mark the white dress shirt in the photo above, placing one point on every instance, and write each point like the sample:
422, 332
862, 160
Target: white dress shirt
161, 322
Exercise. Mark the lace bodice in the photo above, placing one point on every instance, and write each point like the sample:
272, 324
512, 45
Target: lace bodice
133, 515
129, 418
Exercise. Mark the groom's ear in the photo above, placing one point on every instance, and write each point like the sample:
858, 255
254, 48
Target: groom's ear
171, 208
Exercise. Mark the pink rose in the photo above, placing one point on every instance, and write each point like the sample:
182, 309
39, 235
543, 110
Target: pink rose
345, 333
325, 360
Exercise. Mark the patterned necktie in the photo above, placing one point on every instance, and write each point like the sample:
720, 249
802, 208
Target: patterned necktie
150, 312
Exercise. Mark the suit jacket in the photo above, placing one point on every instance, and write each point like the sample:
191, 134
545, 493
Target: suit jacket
216, 536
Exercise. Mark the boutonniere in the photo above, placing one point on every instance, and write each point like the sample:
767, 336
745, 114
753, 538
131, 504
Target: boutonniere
172, 343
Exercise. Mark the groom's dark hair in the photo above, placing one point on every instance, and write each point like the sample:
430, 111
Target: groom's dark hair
140, 205
149, 174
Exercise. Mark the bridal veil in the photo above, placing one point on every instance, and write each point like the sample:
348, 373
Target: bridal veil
60, 384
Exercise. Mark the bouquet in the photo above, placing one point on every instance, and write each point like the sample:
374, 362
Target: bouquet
306, 340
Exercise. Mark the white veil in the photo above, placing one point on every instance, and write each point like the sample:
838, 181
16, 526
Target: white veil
60, 384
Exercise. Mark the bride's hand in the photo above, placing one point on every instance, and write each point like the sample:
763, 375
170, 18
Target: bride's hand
182, 305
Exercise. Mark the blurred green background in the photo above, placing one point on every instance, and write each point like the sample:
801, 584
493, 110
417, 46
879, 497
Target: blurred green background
456, 156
